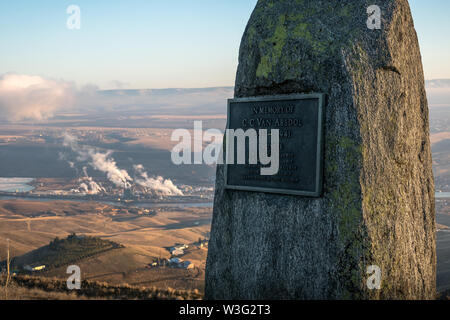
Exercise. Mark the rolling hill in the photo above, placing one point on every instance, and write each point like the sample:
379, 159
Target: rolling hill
62, 252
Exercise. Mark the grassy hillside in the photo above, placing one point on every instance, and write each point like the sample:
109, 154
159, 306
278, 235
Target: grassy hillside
61, 252
28, 287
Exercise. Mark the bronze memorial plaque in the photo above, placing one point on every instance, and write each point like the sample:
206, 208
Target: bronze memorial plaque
299, 119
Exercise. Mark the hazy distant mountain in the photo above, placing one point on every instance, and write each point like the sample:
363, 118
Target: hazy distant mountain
168, 91
438, 92
165, 101
207, 100
438, 83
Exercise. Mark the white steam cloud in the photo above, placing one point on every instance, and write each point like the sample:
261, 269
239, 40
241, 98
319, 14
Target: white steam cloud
99, 161
158, 185
105, 163
89, 186
32, 97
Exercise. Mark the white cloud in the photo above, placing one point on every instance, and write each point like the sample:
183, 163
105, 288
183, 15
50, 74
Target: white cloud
32, 97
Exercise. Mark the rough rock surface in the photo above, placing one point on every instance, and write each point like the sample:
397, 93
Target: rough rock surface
378, 201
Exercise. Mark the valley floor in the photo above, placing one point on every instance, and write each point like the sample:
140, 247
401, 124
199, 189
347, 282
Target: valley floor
145, 239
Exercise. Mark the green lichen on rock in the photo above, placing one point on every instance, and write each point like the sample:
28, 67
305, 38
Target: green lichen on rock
378, 201
274, 46
345, 199
296, 25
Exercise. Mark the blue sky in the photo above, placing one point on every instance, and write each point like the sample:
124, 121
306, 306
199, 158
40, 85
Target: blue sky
157, 43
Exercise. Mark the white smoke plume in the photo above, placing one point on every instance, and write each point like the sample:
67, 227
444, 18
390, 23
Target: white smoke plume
25, 97
89, 186
99, 161
105, 163
158, 185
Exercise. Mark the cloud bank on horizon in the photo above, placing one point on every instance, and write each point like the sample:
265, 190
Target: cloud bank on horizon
35, 98
25, 97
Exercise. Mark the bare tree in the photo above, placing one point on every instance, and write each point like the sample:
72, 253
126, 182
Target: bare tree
8, 273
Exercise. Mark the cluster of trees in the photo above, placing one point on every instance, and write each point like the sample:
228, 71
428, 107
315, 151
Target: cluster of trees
84, 241
74, 248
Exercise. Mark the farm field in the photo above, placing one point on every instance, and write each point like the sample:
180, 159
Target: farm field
145, 238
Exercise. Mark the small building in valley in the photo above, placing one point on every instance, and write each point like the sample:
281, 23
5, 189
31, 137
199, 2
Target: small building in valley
177, 252
34, 267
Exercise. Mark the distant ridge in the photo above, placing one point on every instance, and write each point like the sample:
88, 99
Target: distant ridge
143, 92
438, 83
432, 83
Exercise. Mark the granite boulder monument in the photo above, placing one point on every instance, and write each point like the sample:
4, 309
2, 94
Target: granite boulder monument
354, 192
